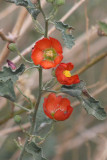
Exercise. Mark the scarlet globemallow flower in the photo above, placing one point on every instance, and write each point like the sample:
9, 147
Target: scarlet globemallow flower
47, 53
64, 76
57, 108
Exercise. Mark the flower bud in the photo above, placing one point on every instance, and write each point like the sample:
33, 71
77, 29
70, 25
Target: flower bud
17, 119
60, 2
12, 47
11, 65
50, 1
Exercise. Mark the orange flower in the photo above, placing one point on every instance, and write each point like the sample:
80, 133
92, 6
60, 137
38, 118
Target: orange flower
47, 53
57, 108
64, 76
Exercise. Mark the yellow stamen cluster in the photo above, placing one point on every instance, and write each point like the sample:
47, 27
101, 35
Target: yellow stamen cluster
67, 73
49, 53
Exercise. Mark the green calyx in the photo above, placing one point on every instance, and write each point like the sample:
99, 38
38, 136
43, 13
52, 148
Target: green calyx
59, 2
12, 47
52, 114
50, 54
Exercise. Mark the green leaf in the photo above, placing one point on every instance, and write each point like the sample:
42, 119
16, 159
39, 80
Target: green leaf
7, 90
41, 119
74, 90
28, 5
8, 73
35, 151
94, 108
66, 33
91, 105
103, 26
7, 79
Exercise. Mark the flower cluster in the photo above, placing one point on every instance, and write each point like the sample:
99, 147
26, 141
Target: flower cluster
47, 53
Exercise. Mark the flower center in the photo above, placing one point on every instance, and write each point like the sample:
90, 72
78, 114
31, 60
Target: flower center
50, 54
67, 73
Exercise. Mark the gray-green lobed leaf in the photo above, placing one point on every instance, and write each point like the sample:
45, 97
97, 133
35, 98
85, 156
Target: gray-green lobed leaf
28, 5
35, 151
8, 73
66, 33
7, 90
7, 79
74, 90
94, 108
91, 105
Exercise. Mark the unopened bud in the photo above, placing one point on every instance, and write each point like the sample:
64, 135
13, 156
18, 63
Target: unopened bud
12, 47
11, 65
60, 2
17, 119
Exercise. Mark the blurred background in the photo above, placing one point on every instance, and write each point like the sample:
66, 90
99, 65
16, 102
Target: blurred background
81, 137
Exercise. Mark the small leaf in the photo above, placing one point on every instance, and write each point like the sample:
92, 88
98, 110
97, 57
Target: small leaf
66, 33
103, 27
94, 108
8, 73
74, 90
28, 5
35, 151
7, 90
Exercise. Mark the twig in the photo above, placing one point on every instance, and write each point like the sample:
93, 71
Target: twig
10, 38
91, 63
14, 129
8, 11
87, 28
16, 30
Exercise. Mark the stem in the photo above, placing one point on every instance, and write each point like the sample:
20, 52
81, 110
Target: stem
46, 19
23, 57
41, 10
35, 112
26, 109
31, 68
38, 101
25, 96
46, 90
40, 88
46, 27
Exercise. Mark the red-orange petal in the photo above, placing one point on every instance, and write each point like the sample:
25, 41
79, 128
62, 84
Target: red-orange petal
56, 45
58, 59
64, 103
47, 64
51, 104
70, 66
37, 56
73, 79
43, 44
59, 115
